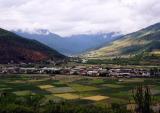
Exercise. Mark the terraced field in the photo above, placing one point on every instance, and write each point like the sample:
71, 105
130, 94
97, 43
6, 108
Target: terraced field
78, 89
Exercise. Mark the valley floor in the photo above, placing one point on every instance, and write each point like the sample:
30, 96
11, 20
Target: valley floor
78, 89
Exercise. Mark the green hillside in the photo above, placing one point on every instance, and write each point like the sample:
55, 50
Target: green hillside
146, 40
14, 48
141, 46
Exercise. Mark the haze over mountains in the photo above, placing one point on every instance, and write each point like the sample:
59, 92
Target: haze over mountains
72, 45
16, 49
146, 40
101, 44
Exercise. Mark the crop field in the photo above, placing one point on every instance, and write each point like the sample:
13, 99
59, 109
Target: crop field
78, 89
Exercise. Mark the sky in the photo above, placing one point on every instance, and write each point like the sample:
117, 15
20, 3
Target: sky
70, 17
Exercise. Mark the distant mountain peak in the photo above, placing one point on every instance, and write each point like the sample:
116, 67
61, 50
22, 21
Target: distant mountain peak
35, 31
43, 31
73, 45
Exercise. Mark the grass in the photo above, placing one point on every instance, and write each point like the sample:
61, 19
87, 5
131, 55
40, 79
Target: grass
23, 93
52, 97
83, 88
68, 96
45, 86
60, 90
97, 81
17, 81
113, 85
134, 80
96, 98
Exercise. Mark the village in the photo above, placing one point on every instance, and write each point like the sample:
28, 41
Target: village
93, 71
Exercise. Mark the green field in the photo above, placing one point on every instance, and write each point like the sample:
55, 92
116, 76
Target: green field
78, 89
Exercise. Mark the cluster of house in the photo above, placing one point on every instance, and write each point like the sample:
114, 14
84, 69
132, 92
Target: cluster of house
108, 72
83, 70
32, 70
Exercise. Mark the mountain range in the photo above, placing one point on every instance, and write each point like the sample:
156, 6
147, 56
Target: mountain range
16, 49
71, 45
43, 45
146, 40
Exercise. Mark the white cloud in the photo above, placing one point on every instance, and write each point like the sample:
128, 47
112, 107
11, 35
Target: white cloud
67, 17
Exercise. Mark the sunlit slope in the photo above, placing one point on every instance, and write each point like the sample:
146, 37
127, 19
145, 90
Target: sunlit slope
145, 40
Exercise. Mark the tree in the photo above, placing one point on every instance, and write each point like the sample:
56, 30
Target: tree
143, 99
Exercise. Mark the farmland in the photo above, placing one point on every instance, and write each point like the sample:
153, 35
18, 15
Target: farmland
78, 89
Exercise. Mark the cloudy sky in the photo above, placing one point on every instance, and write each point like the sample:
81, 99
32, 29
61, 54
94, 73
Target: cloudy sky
68, 17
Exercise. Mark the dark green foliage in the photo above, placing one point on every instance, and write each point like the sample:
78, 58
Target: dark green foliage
65, 107
32, 104
132, 49
152, 36
15, 108
117, 108
154, 45
143, 99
